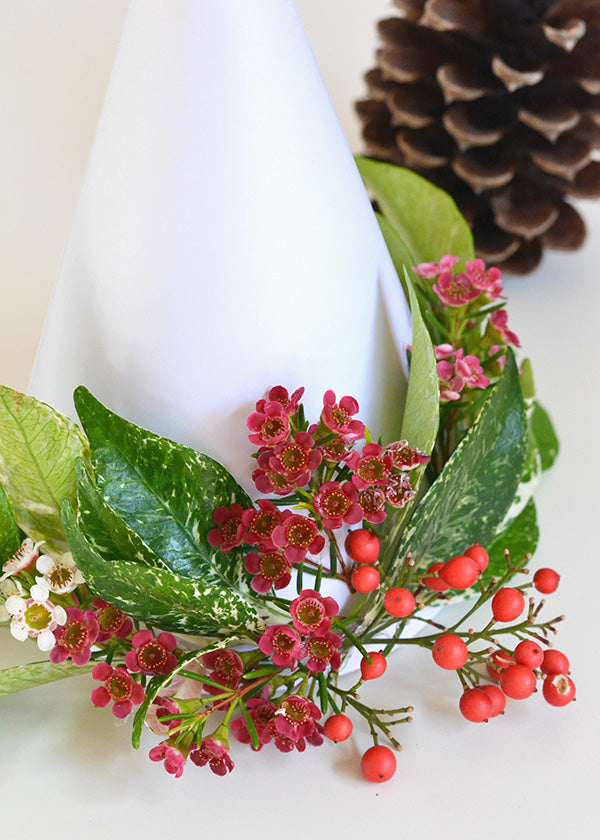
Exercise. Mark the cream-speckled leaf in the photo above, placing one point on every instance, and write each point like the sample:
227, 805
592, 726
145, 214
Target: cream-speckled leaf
160, 597
165, 492
520, 537
10, 538
38, 448
38, 673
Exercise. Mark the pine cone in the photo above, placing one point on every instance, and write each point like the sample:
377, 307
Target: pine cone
498, 103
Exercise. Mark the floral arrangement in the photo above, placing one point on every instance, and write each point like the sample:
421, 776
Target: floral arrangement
209, 616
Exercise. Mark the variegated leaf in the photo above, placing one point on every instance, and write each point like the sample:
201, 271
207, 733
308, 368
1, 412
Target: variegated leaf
33, 674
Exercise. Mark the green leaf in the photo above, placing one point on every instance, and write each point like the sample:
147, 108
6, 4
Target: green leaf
254, 739
165, 492
161, 597
157, 683
425, 217
105, 531
476, 488
545, 436
10, 537
38, 447
38, 673
401, 255
520, 537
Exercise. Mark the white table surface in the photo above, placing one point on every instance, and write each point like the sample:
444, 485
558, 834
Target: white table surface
66, 766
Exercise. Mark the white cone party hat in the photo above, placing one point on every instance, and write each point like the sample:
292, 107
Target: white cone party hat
223, 242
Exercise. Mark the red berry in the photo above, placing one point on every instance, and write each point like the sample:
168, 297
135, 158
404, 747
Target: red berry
497, 697
558, 689
546, 581
449, 652
475, 705
399, 602
508, 604
362, 546
365, 579
435, 582
337, 728
529, 653
459, 572
479, 555
499, 660
517, 681
371, 672
378, 764
555, 662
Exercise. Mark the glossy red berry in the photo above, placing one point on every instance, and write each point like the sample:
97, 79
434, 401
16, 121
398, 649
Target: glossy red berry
399, 602
479, 555
449, 652
433, 581
498, 661
475, 705
508, 604
378, 764
459, 572
362, 546
555, 662
529, 653
497, 696
558, 689
546, 581
337, 728
517, 681
365, 579
371, 672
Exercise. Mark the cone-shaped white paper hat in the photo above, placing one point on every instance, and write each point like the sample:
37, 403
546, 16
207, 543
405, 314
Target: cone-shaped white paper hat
223, 242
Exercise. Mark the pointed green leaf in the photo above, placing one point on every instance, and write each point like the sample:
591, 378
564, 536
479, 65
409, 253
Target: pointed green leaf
161, 597
38, 673
424, 216
471, 496
165, 492
545, 436
401, 255
10, 538
38, 447
520, 537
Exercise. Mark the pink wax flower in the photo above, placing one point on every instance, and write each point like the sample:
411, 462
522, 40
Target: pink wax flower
152, 655
455, 290
337, 417
405, 457
398, 491
270, 425
371, 466
259, 524
372, 503
118, 688
444, 351
160, 708
297, 535
269, 480
75, 638
486, 280
451, 383
283, 644
323, 652
286, 745
227, 668
173, 756
312, 612
337, 503
230, 532
280, 394
296, 459
336, 449
111, 621
24, 558
469, 367
296, 717
431, 270
261, 713
215, 753
499, 326
270, 569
